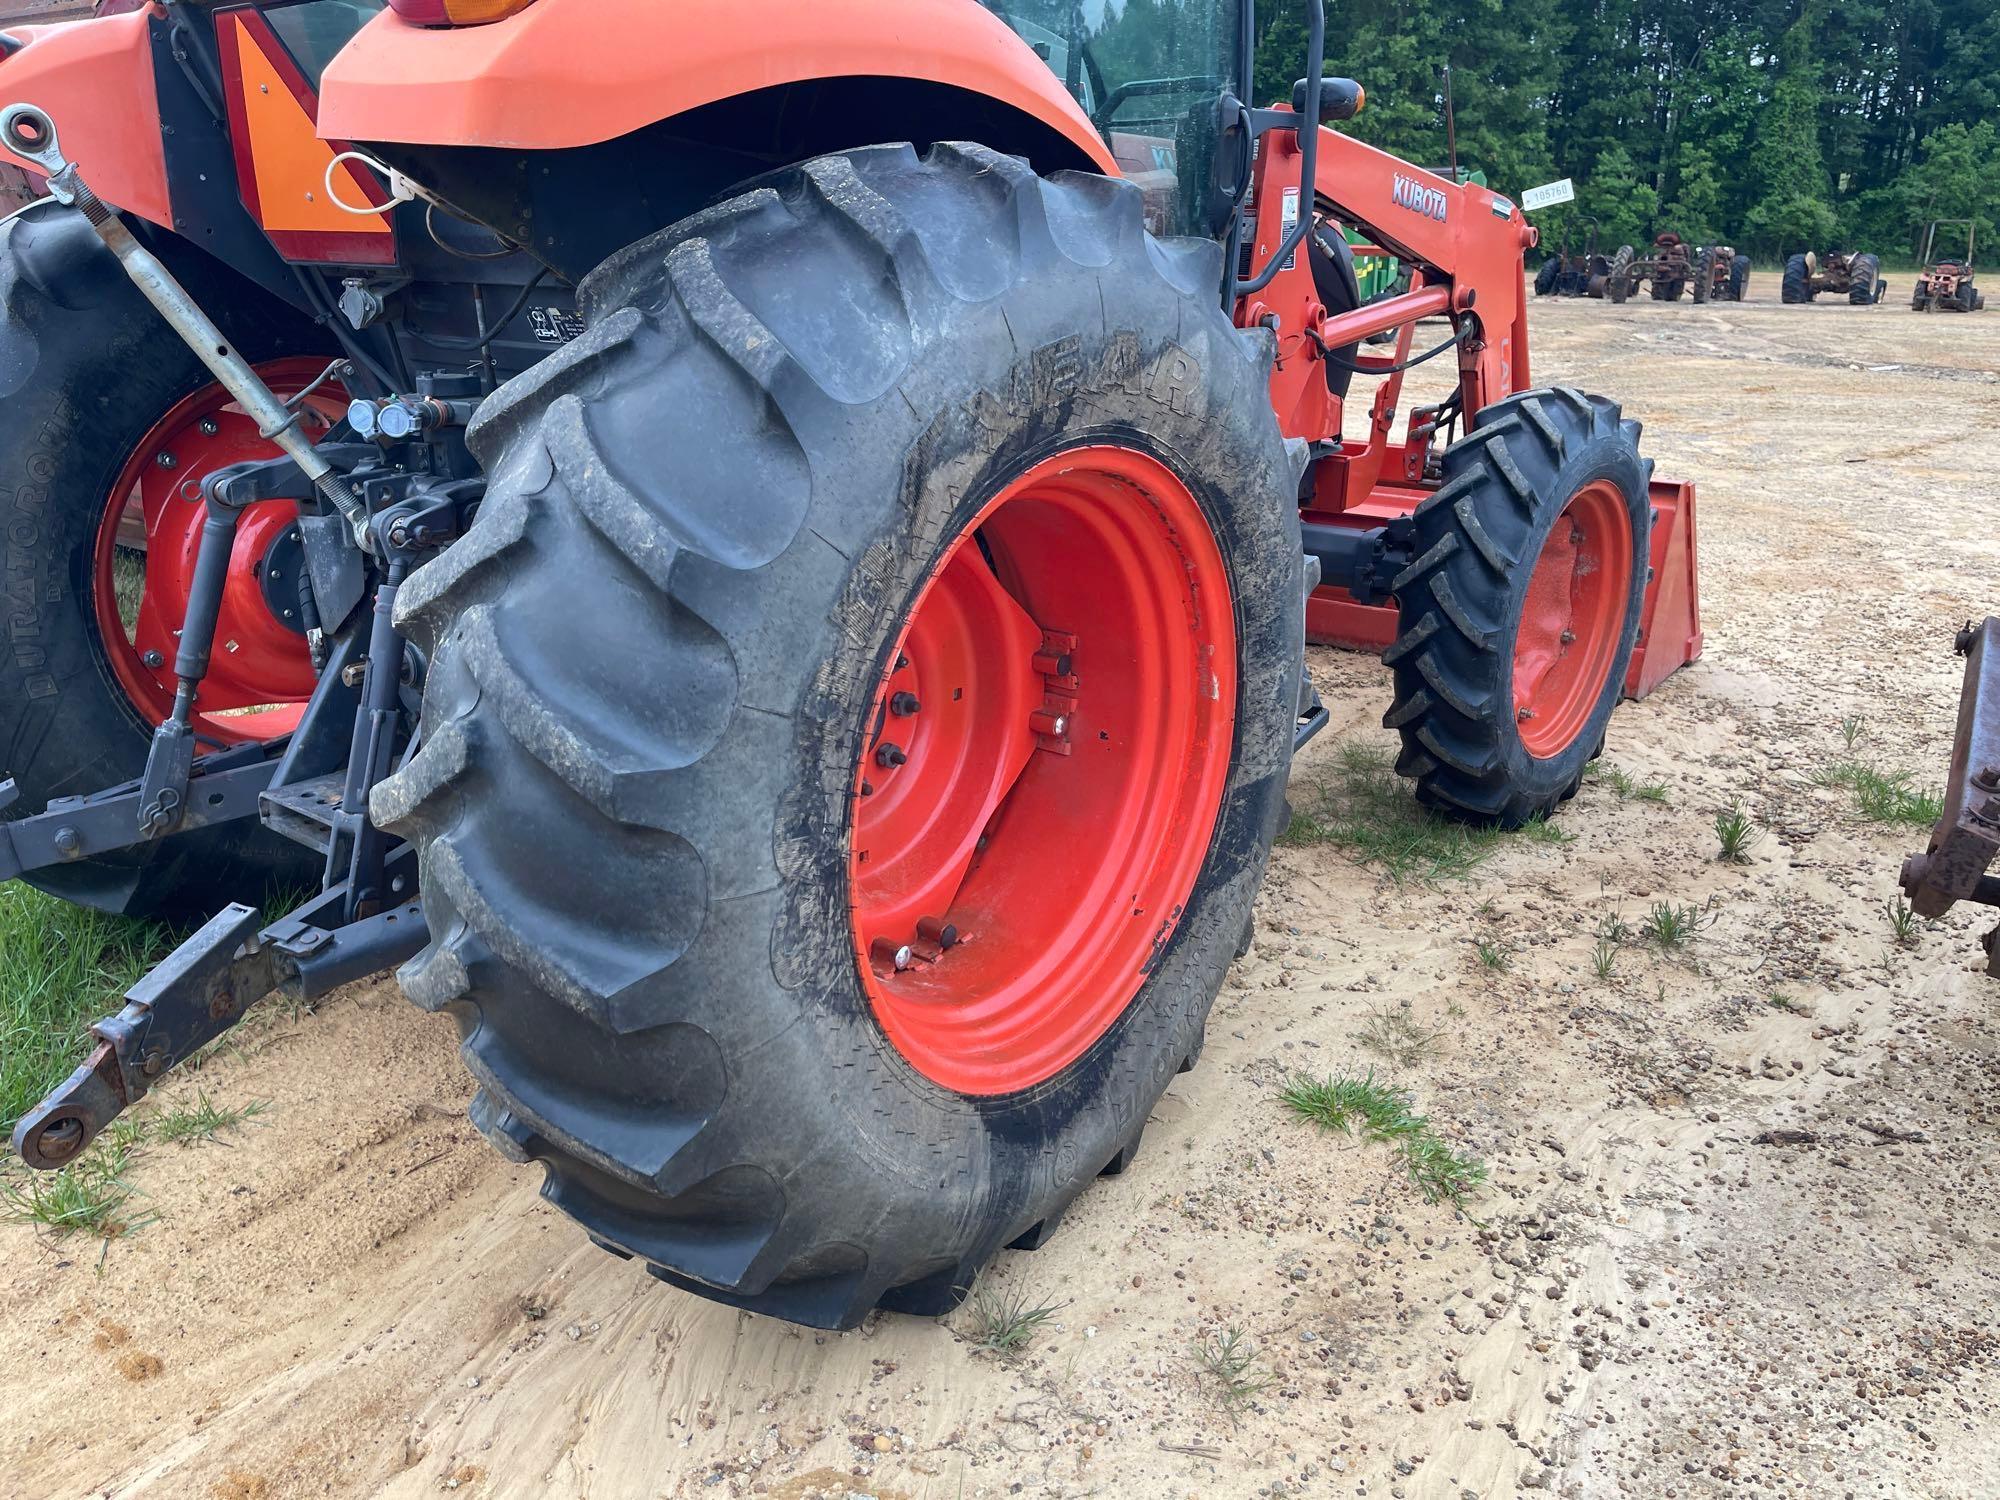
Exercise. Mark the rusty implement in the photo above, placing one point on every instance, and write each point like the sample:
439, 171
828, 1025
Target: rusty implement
1967, 837
203, 988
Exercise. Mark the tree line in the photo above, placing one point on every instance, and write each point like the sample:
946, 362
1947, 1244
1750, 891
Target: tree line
1775, 125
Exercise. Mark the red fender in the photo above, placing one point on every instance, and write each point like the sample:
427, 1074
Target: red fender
95, 80
567, 73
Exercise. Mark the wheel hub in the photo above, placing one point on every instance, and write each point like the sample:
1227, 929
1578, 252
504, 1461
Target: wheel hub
1043, 768
1572, 618
260, 672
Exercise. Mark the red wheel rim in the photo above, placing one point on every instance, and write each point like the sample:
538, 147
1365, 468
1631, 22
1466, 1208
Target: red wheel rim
1062, 702
260, 673
1572, 619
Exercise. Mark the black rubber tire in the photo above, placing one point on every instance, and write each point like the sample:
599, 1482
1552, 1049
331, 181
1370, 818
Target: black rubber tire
86, 368
1478, 539
1545, 278
653, 655
1739, 278
1919, 300
1618, 281
1865, 271
1796, 287
1704, 275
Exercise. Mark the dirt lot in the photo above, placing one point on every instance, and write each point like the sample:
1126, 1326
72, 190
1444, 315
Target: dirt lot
352, 1295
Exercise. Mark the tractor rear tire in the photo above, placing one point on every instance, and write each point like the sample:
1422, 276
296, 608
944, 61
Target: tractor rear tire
1704, 275
1739, 278
87, 371
661, 669
1514, 637
1545, 277
1796, 287
1864, 271
1618, 282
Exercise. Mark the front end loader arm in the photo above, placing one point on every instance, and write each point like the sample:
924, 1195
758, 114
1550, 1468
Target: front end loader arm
1462, 249
1463, 244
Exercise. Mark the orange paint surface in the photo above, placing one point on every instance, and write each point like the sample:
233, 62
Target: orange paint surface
288, 157
95, 80
576, 72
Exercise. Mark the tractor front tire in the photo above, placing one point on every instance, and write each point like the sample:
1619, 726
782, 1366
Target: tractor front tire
1546, 275
1519, 615
840, 468
88, 372
1864, 271
1796, 287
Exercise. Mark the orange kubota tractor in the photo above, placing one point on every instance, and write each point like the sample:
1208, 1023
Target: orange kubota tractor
735, 556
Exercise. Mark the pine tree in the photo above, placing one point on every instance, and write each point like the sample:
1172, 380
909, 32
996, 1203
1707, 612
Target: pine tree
1792, 212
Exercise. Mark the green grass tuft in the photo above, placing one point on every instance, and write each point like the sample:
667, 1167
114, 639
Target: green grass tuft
90, 1196
1228, 1363
1903, 922
1604, 958
1381, 1112
1883, 796
61, 967
1737, 833
1628, 787
1394, 1035
1671, 926
203, 1120
1006, 1322
1365, 809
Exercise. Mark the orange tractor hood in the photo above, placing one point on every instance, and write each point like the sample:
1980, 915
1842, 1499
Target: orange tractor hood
566, 73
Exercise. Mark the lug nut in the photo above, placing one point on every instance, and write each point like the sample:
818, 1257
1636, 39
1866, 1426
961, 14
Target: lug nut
1569, 637
1051, 664
153, 660
167, 461
1055, 726
210, 427
890, 756
903, 705
932, 930
1522, 715
897, 956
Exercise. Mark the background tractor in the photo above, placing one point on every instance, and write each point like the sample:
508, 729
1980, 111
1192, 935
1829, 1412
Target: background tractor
1854, 274
1947, 285
1712, 271
765, 569
1721, 274
1578, 273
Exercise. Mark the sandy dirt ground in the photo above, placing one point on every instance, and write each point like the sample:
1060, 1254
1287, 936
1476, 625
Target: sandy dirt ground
354, 1296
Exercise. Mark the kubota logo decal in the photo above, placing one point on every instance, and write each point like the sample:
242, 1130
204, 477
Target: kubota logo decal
1407, 192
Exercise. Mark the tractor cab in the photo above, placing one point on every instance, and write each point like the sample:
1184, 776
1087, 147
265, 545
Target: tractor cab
1151, 80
